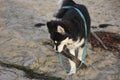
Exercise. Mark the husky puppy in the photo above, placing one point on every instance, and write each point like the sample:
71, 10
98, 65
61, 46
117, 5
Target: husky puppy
69, 31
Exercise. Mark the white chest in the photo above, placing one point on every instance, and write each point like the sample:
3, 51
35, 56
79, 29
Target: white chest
75, 44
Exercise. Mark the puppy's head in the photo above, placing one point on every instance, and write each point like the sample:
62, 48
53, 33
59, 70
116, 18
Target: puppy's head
58, 34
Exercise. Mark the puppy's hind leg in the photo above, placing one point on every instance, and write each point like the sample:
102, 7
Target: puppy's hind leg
72, 64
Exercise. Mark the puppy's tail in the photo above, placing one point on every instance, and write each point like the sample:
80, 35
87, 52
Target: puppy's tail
105, 25
39, 25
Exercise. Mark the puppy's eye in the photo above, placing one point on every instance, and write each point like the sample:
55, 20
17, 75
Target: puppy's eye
55, 42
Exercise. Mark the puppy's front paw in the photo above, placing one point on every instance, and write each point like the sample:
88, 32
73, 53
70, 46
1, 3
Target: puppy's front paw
70, 73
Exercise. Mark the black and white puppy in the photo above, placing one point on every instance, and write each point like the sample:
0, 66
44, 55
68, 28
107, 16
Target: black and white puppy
69, 31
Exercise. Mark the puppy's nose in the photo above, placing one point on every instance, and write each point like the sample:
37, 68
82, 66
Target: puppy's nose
56, 48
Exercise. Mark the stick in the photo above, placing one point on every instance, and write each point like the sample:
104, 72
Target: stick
94, 35
67, 54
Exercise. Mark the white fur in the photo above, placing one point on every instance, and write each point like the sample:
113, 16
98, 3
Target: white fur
80, 53
72, 64
64, 42
72, 46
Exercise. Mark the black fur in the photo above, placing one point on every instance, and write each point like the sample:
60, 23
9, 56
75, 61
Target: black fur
62, 11
71, 20
73, 25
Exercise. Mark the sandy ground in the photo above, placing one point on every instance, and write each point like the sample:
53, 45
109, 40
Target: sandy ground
23, 44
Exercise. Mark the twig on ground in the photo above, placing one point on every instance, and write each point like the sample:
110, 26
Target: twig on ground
101, 42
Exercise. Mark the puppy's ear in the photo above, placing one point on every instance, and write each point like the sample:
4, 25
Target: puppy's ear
50, 26
60, 29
